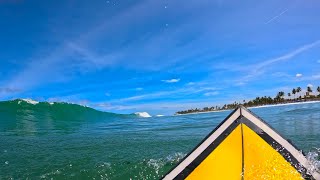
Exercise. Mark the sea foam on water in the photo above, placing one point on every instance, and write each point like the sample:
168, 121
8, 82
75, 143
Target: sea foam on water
314, 158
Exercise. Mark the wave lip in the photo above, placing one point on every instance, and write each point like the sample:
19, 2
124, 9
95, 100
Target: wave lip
65, 108
143, 114
30, 101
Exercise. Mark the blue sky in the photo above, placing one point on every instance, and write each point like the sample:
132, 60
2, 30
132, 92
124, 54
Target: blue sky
156, 56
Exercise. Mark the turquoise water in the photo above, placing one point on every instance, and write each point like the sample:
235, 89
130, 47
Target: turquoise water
65, 141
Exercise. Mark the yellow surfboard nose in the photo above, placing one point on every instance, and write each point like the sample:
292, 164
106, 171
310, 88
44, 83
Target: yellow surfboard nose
262, 161
225, 162
243, 146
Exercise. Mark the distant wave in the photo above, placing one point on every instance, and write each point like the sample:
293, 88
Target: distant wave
143, 114
57, 110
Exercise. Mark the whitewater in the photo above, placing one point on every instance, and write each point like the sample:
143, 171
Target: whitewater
46, 140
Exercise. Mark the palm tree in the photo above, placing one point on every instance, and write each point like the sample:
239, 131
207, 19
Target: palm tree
309, 90
299, 90
289, 94
280, 96
294, 93
318, 89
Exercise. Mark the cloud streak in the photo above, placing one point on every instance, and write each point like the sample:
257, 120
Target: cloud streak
277, 16
311, 78
289, 55
165, 94
282, 12
256, 70
171, 80
214, 93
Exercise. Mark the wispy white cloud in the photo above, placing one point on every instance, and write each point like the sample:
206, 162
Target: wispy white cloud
139, 89
298, 75
240, 83
318, 61
256, 70
89, 59
287, 56
164, 94
190, 83
309, 78
310, 85
145, 96
104, 105
171, 80
213, 93
280, 75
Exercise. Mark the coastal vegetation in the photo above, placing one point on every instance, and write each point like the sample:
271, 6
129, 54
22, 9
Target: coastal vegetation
296, 95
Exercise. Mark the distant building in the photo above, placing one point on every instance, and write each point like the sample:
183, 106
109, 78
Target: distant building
309, 95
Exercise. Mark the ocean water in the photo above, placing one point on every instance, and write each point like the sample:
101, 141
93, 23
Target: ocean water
66, 141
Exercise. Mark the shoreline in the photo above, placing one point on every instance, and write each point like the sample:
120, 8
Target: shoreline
203, 112
256, 107
285, 104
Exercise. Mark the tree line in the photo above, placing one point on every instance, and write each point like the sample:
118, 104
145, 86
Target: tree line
295, 95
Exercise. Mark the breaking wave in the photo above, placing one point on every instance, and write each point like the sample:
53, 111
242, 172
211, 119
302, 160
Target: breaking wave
143, 114
30, 109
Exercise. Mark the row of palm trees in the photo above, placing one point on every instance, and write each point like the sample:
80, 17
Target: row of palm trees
258, 101
308, 92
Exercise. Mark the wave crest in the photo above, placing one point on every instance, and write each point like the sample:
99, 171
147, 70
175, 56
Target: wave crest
30, 101
143, 114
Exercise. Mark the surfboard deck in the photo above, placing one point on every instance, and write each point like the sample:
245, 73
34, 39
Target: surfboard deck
243, 146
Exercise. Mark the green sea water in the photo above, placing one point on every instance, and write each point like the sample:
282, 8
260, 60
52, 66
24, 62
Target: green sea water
67, 141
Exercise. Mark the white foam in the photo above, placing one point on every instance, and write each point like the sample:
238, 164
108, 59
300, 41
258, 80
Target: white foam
143, 114
51, 103
30, 101
159, 115
313, 158
158, 164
